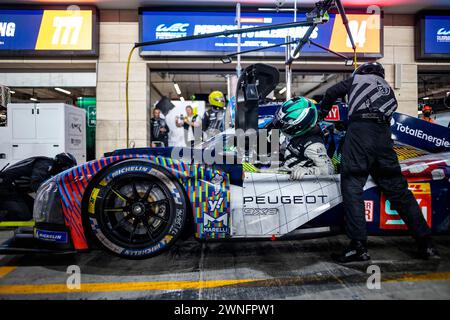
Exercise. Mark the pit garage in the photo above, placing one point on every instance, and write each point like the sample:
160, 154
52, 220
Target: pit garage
434, 92
135, 220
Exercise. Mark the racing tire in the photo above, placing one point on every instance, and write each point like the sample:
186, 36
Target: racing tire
136, 209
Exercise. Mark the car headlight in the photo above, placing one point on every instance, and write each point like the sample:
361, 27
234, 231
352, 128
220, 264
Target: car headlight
47, 206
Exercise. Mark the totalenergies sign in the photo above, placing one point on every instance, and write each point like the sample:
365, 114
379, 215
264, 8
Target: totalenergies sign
158, 25
48, 32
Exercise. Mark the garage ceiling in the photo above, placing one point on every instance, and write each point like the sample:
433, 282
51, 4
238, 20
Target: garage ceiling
204, 83
390, 6
433, 86
50, 95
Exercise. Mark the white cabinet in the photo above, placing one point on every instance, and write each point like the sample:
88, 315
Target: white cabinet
5, 146
47, 129
24, 118
42, 129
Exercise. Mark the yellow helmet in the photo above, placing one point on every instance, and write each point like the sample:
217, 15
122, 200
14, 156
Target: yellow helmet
312, 100
216, 99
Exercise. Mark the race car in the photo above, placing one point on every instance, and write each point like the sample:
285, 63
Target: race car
136, 203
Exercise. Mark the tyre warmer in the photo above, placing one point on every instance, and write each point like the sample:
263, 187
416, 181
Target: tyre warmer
207, 189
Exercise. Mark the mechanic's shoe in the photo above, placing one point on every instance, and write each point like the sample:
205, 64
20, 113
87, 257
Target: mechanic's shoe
356, 251
427, 251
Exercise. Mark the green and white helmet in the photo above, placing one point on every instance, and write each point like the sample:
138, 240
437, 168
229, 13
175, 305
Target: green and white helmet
296, 116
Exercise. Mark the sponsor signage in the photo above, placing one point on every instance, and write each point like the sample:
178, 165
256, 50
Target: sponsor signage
52, 236
333, 115
390, 219
419, 133
433, 31
260, 211
368, 208
55, 31
158, 25
263, 200
212, 223
215, 225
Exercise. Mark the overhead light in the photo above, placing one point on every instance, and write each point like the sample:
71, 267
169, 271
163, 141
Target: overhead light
276, 9
12, 91
226, 59
426, 98
349, 62
177, 88
33, 99
182, 99
63, 91
282, 90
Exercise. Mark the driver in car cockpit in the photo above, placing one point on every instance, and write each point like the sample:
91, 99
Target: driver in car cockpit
305, 152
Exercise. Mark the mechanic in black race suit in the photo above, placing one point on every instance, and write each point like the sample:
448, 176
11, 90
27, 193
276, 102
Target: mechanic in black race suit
305, 153
26, 177
159, 129
213, 121
368, 150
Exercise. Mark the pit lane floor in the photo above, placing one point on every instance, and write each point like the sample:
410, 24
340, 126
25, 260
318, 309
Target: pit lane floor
295, 269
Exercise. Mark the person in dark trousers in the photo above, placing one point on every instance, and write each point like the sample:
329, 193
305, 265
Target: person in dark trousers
368, 150
159, 129
213, 120
26, 177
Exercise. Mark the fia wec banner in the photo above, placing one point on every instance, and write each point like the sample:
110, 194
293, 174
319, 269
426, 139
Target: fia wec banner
437, 35
433, 35
48, 32
157, 25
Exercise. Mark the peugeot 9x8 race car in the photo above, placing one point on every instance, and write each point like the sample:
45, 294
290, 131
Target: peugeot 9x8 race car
135, 203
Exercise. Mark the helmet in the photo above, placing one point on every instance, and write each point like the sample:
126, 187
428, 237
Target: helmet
427, 108
65, 160
216, 99
296, 116
370, 68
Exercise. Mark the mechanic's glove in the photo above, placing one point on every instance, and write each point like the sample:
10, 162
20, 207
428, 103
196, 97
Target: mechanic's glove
298, 173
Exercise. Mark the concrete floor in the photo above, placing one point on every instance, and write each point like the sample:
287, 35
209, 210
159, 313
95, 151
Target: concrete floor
300, 269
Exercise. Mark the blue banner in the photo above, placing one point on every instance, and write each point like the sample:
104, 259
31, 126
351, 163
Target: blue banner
19, 29
48, 32
158, 25
437, 35
419, 133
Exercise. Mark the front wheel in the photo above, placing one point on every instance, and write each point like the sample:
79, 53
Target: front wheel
136, 209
